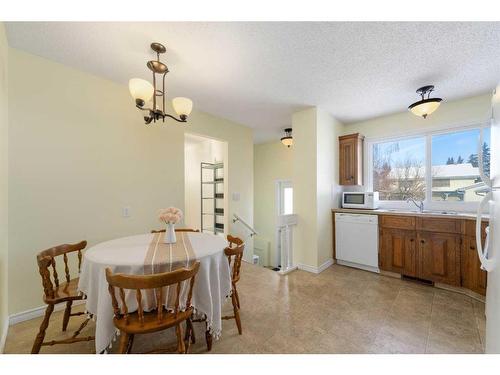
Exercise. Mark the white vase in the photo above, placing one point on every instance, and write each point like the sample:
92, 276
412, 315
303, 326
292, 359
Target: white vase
170, 234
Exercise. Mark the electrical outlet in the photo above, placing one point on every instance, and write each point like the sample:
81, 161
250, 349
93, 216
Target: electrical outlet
126, 212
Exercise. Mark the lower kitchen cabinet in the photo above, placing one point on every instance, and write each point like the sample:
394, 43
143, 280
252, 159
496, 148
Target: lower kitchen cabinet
473, 277
397, 251
439, 257
437, 249
441, 250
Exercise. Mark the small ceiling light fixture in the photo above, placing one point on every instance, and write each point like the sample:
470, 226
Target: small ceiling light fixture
287, 140
142, 91
425, 107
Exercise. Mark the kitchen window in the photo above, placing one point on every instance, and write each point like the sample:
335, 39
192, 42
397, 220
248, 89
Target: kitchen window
455, 160
439, 168
398, 169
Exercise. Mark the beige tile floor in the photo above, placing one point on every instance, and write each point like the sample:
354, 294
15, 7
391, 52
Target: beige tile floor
341, 310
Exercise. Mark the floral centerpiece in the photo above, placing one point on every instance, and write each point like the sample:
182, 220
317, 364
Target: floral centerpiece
170, 216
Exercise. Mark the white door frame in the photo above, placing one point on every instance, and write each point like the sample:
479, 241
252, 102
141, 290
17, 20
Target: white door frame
279, 184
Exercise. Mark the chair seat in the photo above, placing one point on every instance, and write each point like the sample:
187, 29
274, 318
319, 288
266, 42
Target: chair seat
151, 322
65, 292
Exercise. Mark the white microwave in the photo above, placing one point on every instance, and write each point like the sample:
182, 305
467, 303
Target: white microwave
367, 200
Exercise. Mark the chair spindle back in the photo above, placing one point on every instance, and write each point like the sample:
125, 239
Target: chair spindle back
156, 283
234, 255
47, 260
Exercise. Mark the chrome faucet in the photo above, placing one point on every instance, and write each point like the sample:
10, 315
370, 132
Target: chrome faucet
420, 204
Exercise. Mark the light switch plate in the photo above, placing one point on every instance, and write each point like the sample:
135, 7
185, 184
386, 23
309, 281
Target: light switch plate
126, 212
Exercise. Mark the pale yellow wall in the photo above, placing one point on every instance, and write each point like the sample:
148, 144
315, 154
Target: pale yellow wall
4, 49
315, 179
272, 161
328, 130
450, 114
79, 152
304, 187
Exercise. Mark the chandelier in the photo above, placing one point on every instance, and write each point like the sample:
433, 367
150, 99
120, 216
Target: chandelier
143, 91
425, 107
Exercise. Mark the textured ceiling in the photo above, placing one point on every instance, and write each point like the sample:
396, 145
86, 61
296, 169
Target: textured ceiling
258, 74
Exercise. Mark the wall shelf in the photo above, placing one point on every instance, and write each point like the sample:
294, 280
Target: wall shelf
212, 216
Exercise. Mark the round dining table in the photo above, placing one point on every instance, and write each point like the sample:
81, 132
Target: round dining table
146, 254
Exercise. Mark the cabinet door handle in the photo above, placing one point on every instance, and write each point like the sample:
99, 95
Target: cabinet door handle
411, 240
472, 248
422, 241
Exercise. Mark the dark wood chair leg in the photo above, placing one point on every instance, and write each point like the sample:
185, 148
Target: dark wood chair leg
130, 343
208, 337
67, 313
124, 340
188, 340
236, 312
190, 331
43, 328
181, 349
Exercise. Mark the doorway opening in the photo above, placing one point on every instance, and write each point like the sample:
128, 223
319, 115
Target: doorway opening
205, 184
284, 206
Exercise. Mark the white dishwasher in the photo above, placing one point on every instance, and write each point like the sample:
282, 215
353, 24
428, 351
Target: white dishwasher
356, 240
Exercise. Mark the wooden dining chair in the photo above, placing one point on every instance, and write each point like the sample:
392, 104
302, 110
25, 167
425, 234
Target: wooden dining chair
56, 292
177, 230
234, 254
140, 322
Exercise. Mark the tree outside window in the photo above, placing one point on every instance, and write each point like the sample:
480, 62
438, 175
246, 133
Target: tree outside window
399, 167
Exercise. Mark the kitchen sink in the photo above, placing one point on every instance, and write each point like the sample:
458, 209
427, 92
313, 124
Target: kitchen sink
430, 212
439, 212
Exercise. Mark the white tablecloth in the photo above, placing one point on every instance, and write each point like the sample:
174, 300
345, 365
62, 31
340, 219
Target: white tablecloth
127, 255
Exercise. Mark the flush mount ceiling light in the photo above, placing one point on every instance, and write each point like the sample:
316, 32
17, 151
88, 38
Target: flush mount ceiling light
142, 91
287, 140
425, 107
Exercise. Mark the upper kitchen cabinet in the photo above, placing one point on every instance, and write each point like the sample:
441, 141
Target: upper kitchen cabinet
351, 159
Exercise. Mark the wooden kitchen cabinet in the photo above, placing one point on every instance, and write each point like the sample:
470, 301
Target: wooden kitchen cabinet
431, 248
397, 251
472, 276
351, 159
439, 257
427, 248
438, 224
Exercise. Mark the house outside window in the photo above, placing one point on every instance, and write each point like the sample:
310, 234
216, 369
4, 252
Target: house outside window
440, 182
440, 168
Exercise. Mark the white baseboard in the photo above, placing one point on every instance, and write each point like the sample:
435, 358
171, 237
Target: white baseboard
314, 269
37, 312
4, 335
325, 265
282, 273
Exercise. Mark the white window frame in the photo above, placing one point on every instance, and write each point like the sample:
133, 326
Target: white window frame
428, 202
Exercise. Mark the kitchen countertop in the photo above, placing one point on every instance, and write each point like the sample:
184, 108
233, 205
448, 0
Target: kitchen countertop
431, 213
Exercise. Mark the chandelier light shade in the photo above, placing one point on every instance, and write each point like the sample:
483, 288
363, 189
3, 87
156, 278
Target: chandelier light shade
425, 107
287, 140
182, 106
142, 91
